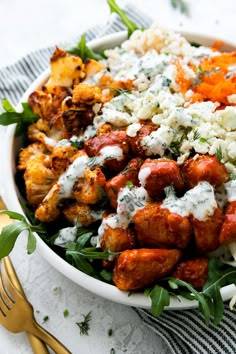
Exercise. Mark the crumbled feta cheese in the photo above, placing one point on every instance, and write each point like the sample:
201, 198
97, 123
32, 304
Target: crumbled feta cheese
133, 129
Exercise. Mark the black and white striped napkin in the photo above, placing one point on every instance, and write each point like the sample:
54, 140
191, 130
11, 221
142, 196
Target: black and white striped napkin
183, 331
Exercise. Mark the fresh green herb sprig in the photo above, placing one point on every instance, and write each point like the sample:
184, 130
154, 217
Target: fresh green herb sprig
84, 325
219, 154
181, 5
80, 256
209, 299
131, 26
83, 51
175, 145
22, 119
10, 233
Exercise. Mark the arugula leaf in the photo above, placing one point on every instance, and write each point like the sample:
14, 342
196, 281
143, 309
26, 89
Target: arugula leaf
203, 304
83, 51
219, 276
131, 26
160, 299
22, 119
10, 233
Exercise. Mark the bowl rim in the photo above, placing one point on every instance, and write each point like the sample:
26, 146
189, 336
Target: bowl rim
8, 185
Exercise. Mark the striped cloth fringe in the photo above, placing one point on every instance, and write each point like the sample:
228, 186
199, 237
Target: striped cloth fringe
183, 331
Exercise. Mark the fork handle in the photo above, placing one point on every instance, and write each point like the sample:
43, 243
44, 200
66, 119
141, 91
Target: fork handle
37, 345
49, 339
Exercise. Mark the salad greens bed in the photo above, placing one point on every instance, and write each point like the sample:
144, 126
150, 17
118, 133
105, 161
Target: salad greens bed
80, 253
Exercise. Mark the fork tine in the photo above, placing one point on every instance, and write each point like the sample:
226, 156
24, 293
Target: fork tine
12, 292
5, 300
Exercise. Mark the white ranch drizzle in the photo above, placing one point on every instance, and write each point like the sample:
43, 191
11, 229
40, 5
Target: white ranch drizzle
129, 201
144, 173
66, 235
77, 168
198, 201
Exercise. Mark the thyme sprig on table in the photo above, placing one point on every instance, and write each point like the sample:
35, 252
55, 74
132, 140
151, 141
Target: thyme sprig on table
84, 325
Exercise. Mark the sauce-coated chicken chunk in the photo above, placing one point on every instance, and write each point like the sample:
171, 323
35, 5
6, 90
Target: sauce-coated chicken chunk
204, 168
228, 230
157, 227
137, 268
129, 174
193, 271
155, 175
135, 142
117, 240
206, 233
116, 143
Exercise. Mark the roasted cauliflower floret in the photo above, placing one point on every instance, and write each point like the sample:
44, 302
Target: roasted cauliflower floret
39, 178
29, 152
81, 214
41, 132
49, 209
86, 94
89, 190
92, 67
47, 104
66, 69
60, 157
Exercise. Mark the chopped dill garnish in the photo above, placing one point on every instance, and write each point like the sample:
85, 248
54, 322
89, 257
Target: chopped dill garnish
84, 325
219, 154
45, 319
196, 135
181, 5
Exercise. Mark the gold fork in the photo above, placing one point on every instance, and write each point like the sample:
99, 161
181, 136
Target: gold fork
37, 345
16, 314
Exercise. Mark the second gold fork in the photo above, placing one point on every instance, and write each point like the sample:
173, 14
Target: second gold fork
16, 314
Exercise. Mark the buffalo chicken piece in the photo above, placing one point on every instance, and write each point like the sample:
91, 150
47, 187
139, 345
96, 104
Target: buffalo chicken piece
114, 140
228, 230
136, 142
193, 271
129, 174
117, 240
204, 168
155, 175
137, 268
157, 227
206, 233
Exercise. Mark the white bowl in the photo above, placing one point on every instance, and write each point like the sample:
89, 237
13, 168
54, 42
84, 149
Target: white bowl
9, 193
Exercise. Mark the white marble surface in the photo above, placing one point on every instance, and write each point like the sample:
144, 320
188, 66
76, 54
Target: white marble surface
24, 26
